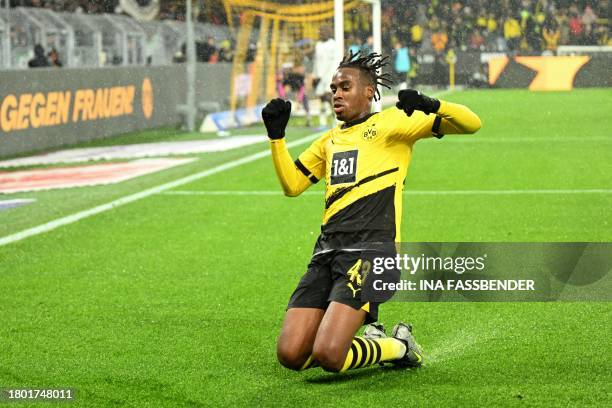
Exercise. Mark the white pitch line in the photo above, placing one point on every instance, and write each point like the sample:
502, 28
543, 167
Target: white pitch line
17, 201
407, 192
143, 194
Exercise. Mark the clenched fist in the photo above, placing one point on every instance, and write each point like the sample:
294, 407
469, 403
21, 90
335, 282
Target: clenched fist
275, 116
411, 100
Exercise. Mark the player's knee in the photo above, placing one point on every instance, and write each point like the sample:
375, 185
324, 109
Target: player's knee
290, 357
329, 358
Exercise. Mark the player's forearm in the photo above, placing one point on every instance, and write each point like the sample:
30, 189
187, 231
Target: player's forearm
457, 119
291, 178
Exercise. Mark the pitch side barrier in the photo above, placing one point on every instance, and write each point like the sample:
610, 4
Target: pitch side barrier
561, 72
47, 108
550, 73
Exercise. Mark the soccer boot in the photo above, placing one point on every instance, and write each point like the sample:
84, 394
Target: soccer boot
374, 331
414, 352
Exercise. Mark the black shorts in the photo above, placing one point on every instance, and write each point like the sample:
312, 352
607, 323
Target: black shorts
338, 273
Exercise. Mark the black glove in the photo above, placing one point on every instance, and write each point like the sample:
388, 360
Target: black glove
411, 100
275, 116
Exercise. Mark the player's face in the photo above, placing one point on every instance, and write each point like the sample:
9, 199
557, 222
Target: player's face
351, 95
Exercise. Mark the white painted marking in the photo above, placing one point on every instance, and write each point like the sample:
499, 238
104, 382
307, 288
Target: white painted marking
17, 202
81, 176
135, 151
143, 194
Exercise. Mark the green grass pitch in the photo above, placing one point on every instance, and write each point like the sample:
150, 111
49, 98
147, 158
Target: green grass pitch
176, 300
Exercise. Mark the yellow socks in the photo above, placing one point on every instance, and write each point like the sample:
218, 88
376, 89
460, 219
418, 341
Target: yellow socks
366, 352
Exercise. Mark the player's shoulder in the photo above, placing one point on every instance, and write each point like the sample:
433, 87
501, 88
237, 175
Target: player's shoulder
389, 112
391, 116
395, 124
323, 137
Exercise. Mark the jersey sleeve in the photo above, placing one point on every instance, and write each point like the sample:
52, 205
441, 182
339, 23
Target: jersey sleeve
312, 160
409, 129
457, 119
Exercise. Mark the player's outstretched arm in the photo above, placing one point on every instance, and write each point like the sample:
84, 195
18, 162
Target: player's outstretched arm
455, 118
276, 116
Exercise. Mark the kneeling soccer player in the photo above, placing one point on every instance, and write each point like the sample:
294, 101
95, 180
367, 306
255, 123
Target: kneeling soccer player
364, 162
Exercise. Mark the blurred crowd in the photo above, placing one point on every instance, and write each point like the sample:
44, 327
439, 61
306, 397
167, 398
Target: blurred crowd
209, 11
514, 26
412, 27
42, 59
209, 51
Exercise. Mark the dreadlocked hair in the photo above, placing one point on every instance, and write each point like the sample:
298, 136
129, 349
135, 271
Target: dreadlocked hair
370, 65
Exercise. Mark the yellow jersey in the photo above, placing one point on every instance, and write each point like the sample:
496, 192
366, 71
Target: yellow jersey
364, 164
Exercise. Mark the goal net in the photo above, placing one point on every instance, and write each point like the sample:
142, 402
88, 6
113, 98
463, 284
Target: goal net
275, 42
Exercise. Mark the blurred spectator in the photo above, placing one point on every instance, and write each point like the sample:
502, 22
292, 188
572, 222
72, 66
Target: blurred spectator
39, 60
206, 51
181, 56
481, 21
439, 39
324, 66
416, 35
401, 64
291, 84
576, 29
601, 35
459, 33
563, 23
368, 47
54, 59
512, 33
533, 34
225, 51
588, 20
214, 58
477, 40
212, 12
251, 51
354, 44
491, 23
440, 74
551, 33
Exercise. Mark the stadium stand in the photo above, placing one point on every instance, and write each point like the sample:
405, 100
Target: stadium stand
96, 34
526, 26
85, 33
